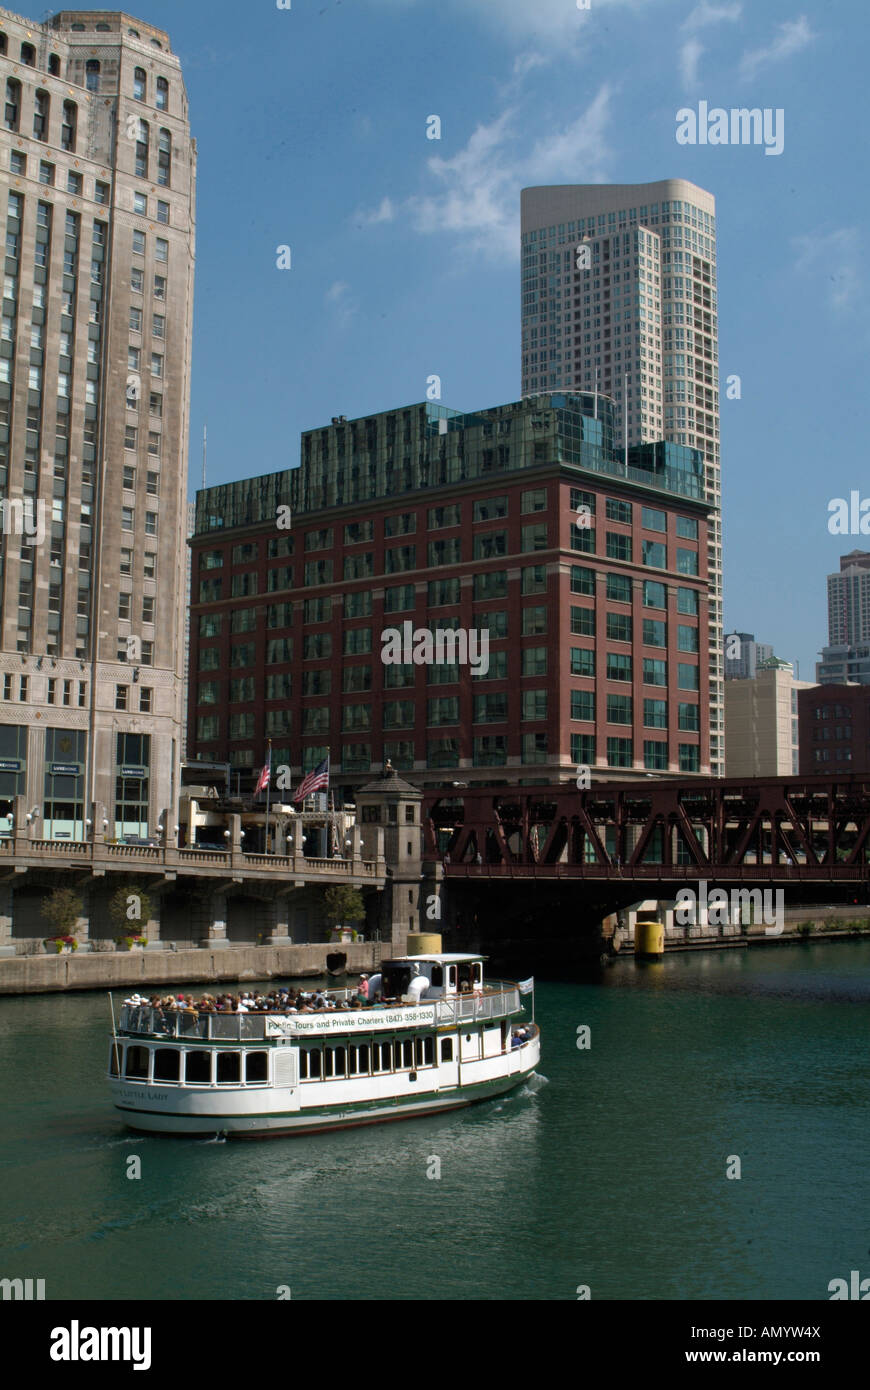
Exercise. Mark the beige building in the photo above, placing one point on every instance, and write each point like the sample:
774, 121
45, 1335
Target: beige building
99, 175
761, 723
619, 296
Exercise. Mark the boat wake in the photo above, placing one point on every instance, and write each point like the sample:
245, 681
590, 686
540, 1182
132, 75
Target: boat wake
535, 1083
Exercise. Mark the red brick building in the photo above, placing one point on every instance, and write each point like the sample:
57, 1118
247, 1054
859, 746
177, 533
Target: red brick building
834, 728
428, 517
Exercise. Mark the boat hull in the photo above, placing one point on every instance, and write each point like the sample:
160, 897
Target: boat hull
343, 1115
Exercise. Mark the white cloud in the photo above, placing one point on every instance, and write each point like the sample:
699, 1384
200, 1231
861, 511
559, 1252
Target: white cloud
690, 55
478, 189
790, 38
703, 16
838, 258
548, 22
338, 297
385, 212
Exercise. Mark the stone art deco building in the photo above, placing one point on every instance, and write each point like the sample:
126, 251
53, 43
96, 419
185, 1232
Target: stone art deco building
641, 324
443, 520
98, 195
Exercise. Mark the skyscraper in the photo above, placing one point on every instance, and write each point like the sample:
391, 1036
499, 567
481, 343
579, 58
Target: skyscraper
748, 655
847, 655
619, 296
94, 400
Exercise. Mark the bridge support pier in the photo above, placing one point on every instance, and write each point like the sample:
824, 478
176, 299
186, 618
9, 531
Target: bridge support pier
6, 946
215, 922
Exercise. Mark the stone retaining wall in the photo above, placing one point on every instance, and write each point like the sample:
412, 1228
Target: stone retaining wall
129, 969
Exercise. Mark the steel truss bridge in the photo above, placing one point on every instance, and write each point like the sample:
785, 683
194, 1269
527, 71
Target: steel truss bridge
782, 829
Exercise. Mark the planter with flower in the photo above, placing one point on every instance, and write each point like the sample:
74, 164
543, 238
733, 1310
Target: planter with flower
130, 905
345, 902
62, 909
61, 945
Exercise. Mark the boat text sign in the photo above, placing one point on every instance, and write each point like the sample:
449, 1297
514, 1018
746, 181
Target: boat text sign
348, 1022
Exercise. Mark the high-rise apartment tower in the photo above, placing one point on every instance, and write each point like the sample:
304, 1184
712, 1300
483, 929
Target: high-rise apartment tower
619, 296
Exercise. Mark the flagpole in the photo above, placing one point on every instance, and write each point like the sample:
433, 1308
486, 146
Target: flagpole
268, 789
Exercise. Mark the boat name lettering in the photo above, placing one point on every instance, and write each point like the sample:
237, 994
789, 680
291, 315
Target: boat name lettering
347, 1022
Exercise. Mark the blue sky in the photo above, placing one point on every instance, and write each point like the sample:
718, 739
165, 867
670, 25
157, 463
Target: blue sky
311, 129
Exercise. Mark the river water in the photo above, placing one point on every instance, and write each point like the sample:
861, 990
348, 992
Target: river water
607, 1171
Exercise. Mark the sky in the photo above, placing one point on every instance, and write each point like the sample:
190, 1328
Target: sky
311, 129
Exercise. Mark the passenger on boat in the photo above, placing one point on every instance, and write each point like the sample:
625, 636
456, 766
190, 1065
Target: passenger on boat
363, 988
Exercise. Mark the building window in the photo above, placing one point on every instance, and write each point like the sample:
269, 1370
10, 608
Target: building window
41, 108
655, 714
92, 75
164, 158
655, 755
690, 757
582, 661
620, 752
654, 672
46, 175
139, 84
13, 103
161, 98
618, 667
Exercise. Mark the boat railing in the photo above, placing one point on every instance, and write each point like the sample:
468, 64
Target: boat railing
497, 1001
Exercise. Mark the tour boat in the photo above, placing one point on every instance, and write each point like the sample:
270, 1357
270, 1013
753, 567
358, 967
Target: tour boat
442, 1039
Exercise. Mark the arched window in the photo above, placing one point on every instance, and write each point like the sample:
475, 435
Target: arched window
2, 43
162, 98
68, 128
164, 158
92, 75
103, 28
41, 107
142, 151
77, 28
155, 43
134, 33
140, 82
28, 55
13, 103
54, 64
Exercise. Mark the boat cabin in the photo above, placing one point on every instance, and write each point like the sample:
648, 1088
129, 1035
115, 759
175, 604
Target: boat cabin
417, 978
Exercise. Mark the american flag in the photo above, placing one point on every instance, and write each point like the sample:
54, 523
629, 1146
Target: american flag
313, 781
265, 776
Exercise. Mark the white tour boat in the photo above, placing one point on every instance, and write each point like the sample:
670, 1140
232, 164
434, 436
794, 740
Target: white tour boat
442, 1039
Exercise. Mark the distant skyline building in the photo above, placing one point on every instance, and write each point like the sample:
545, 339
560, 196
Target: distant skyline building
761, 723
639, 323
835, 729
98, 193
752, 654
847, 654
422, 521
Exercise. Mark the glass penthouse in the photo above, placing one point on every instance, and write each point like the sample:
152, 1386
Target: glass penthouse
425, 519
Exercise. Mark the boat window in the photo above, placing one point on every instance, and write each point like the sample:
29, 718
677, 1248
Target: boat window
197, 1067
451, 974
314, 1063
382, 1056
327, 1062
425, 1052
229, 1068
257, 1066
446, 1049
407, 1052
478, 973
358, 1059
340, 1061
167, 1064
114, 1060
136, 1062
437, 975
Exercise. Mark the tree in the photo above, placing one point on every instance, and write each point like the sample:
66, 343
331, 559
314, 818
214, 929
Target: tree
344, 903
130, 909
62, 909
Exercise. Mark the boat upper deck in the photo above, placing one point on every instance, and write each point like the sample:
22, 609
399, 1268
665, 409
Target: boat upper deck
495, 1001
